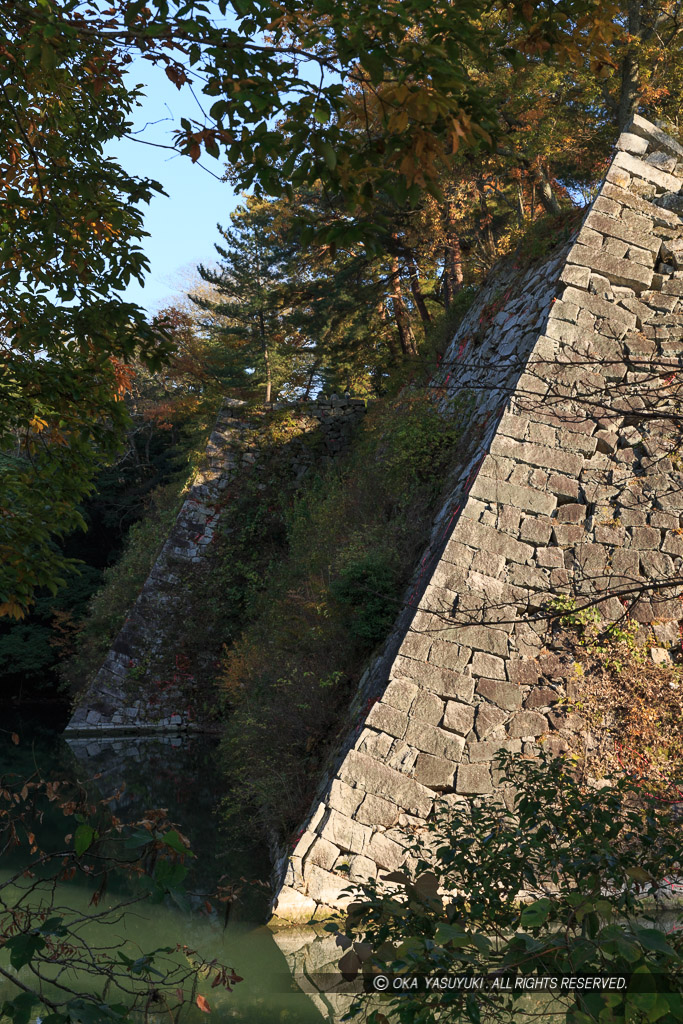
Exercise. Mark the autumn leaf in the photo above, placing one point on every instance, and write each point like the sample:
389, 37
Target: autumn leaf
15, 739
203, 1004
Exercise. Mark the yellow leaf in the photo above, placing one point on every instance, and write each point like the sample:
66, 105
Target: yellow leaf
11, 608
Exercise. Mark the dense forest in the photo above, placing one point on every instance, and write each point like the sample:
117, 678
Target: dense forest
389, 158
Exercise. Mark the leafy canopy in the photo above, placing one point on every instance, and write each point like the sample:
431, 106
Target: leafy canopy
362, 97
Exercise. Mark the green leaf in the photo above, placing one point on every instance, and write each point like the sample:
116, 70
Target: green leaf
173, 840
452, 933
85, 1012
53, 926
83, 838
638, 874
653, 939
19, 1010
536, 913
22, 948
329, 154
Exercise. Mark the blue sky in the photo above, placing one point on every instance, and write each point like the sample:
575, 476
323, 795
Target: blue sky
182, 226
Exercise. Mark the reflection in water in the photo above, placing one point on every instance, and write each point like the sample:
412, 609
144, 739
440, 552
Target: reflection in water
312, 956
177, 774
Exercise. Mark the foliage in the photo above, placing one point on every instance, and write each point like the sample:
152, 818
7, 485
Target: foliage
562, 877
565, 609
121, 584
67, 244
29, 649
75, 973
312, 581
408, 69
541, 236
428, 138
366, 588
257, 329
160, 438
630, 701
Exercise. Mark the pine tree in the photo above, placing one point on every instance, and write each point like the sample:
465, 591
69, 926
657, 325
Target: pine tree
263, 337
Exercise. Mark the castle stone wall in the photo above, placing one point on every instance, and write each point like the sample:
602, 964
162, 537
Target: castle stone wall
567, 484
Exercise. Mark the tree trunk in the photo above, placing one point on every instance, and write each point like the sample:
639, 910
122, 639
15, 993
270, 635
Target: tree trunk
401, 315
418, 297
309, 385
387, 332
521, 213
452, 269
266, 356
548, 197
629, 94
485, 224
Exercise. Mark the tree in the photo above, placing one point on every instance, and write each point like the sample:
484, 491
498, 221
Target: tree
411, 77
561, 879
67, 245
258, 329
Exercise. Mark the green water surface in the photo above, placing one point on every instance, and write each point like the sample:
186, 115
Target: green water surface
181, 777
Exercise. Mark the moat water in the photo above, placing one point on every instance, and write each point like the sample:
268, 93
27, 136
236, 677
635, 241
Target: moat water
180, 776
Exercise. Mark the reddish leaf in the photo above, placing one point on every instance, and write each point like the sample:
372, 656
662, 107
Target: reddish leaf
15, 738
203, 1005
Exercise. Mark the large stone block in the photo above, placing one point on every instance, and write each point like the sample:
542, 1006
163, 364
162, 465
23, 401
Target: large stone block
488, 666
505, 695
458, 717
384, 718
324, 887
627, 231
527, 723
487, 750
441, 681
489, 719
428, 707
481, 638
451, 656
400, 694
538, 455
526, 498
487, 538
345, 833
375, 810
386, 853
323, 853
601, 307
473, 779
343, 798
617, 271
632, 144
377, 778
432, 740
652, 134
435, 772
634, 166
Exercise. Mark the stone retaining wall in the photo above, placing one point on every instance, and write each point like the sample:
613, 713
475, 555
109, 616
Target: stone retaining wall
569, 485
121, 698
